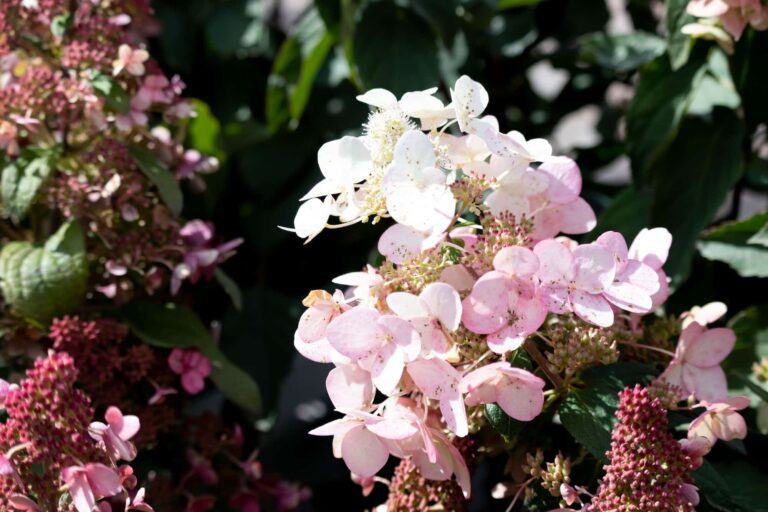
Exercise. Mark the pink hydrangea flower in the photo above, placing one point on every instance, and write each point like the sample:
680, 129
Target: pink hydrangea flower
360, 439
193, 367
130, 60
720, 420
201, 257
440, 381
635, 283
24, 503
137, 502
436, 308
400, 242
380, 344
116, 434
89, 483
695, 369
574, 281
651, 247
505, 302
309, 338
519, 393
350, 387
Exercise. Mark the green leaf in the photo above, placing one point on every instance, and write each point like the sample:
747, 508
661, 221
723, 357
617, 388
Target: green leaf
502, 422
716, 88
751, 328
239, 29
40, 283
694, 175
623, 52
115, 97
394, 48
61, 24
628, 213
21, 181
718, 492
679, 44
588, 413
295, 68
661, 100
205, 131
510, 4
160, 176
176, 326
230, 287
732, 243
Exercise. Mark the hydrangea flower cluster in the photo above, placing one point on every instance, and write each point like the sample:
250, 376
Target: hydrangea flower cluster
54, 454
477, 272
77, 87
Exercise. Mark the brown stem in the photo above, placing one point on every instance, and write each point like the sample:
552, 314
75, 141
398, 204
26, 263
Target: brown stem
537, 356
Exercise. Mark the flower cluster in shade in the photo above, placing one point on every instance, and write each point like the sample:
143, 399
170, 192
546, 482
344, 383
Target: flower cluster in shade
220, 473
78, 85
54, 457
116, 370
733, 15
474, 267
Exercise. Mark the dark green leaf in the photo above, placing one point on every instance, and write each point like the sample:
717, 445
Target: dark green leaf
588, 413
623, 52
294, 70
40, 283
160, 176
21, 181
694, 175
718, 493
230, 287
395, 49
503, 423
509, 4
679, 44
661, 100
628, 213
171, 326
239, 29
115, 97
751, 328
732, 243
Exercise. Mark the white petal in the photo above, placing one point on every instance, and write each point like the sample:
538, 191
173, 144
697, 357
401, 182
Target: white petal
345, 160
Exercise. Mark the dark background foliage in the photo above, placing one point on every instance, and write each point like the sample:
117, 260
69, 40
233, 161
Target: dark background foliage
665, 134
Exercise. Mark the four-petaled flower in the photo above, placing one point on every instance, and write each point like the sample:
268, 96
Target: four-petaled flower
193, 367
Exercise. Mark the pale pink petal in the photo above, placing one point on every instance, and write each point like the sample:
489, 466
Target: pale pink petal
486, 309
481, 376
556, 299
458, 277
399, 243
314, 321
335, 428
460, 470
402, 334
564, 179
455, 415
707, 384
516, 261
576, 217
435, 378
529, 315
505, 340
363, 452
729, 426
691, 493
386, 368
660, 296
592, 308
614, 242
406, 305
521, 397
641, 275
393, 428
319, 351
629, 297
104, 480
81, 493
556, 263
349, 387
595, 267
444, 303
356, 333
711, 347
673, 375
501, 201
651, 246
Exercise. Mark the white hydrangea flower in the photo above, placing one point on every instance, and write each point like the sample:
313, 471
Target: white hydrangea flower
421, 105
417, 194
469, 99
